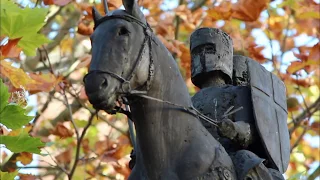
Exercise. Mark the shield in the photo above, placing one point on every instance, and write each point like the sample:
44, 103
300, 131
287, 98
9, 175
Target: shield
270, 111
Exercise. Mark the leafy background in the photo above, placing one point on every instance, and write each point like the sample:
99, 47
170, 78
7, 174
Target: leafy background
45, 52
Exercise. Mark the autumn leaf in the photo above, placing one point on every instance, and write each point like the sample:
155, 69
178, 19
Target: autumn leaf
43, 82
31, 82
221, 12
255, 52
17, 76
293, 104
248, 10
25, 158
61, 131
10, 50
27, 177
84, 29
85, 146
308, 62
64, 157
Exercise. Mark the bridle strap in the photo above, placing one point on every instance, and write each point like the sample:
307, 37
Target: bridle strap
147, 40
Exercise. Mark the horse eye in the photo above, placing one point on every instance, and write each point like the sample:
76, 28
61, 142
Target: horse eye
123, 31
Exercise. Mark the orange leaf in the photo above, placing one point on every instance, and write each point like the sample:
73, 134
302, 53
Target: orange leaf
298, 65
32, 82
48, 2
17, 76
248, 10
185, 59
27, 177
84, 29
65, 157
44, 82
124, 170
85, 146
221, 12
255, 52
315, 126
61, 131
10, 50
25, 158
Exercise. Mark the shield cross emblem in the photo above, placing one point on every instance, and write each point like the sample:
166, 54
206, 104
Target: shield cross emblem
270, 111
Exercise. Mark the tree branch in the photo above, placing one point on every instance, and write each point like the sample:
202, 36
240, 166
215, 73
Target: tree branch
315, 174
79, 140
306, 113
198, 4
31, 63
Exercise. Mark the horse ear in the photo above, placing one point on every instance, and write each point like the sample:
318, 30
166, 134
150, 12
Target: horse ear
96, 15
133, 8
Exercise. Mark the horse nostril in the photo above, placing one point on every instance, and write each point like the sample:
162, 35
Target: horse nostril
104, 84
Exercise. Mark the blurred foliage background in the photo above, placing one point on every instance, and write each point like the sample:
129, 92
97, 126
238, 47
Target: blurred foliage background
45, 52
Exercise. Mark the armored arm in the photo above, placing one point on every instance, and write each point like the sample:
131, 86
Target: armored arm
240, 131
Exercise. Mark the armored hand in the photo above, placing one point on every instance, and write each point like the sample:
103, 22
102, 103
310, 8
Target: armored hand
239, 132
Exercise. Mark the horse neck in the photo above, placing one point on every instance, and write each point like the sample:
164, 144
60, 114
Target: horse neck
161, 127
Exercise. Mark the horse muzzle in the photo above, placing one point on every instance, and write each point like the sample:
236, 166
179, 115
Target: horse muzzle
101, 91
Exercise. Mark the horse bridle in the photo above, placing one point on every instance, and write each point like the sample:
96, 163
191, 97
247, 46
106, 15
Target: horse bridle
128, 91
125, 82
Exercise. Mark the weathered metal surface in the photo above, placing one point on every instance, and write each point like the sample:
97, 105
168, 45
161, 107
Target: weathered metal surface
211, 50
269, 108
172, 143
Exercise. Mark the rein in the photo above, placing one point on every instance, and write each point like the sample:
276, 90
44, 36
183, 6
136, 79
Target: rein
147, 40
126, 81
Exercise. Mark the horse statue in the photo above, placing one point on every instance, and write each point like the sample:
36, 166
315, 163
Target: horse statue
130, 63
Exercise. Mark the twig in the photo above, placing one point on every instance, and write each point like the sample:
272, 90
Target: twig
299, 139
57, 164
314, 174
312, 109
110, 124
70, 112
199, 4
79, 140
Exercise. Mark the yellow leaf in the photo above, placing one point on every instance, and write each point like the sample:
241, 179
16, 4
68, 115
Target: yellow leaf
17, 76
25, 158
306, 15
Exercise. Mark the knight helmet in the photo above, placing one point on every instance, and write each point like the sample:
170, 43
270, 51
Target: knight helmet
211, 50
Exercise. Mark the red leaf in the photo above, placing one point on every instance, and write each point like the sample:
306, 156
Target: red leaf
61, 131
11, 50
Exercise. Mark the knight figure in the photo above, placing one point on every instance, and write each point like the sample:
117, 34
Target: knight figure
246, 100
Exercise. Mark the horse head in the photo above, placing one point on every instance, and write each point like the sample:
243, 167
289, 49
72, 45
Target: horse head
120, 58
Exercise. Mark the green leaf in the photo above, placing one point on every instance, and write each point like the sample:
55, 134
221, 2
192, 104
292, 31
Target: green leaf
8, 176
31, 42
22, 143
23, 23
4, 95
13, 116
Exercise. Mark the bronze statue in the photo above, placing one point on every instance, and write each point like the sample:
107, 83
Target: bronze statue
131, 66
247, 101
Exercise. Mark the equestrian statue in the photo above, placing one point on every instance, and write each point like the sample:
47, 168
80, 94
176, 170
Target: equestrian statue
131, 67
